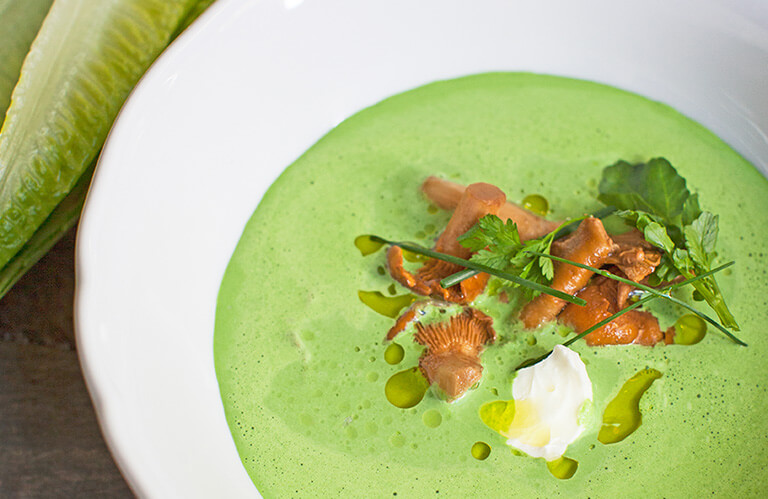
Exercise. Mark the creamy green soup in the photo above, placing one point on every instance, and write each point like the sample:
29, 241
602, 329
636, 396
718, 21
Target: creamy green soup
300, 359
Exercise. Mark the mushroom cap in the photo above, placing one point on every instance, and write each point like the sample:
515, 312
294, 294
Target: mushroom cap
452, 357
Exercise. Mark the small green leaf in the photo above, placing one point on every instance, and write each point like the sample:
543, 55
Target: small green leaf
682, 260
654, 187
547, 269
474, 239
691, 209
656, 234
490, 259
701, 238
707, 225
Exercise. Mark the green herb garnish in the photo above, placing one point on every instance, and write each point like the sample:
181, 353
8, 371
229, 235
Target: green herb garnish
656, 292
644, 298
475, 240
481, 267
497, 244
654, 198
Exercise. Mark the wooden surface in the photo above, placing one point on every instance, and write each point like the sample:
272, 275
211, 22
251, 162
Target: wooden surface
50, 442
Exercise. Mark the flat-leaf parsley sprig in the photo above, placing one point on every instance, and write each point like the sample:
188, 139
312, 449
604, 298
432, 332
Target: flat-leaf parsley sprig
480, 267
497, 244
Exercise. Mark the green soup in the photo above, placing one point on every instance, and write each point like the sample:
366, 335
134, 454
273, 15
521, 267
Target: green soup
301, 360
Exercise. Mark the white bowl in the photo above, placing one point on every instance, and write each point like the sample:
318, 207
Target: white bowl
252, 85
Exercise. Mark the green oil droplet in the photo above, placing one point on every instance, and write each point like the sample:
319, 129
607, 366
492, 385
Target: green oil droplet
697, 296
372, 376
381, 270
430, 228
406, 388
366, 245
420, 234
536, 203
563, 330
432, 209
394, 354
481, 451
392, 289
563, 468
622, 415
412, 257
432, 418
386, 305
498, 415
531, 340
690, 329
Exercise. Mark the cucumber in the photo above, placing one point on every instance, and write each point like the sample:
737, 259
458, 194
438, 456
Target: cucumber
19, 22
85, 61
87, 57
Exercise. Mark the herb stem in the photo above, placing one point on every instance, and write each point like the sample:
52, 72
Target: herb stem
414, 248
651, 290
594, 327
605, 321
563, 229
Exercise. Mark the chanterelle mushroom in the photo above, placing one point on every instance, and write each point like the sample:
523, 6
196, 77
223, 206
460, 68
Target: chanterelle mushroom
446, 195
588, 245
604, 298
476, 201
452, 357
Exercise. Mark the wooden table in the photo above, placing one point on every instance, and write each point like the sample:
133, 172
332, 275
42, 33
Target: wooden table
50, 442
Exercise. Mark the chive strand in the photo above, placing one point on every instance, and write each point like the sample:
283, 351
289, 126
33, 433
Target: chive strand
640, 302
562, 230
652, 290
457, 277
482, 268
603, 322
645, 299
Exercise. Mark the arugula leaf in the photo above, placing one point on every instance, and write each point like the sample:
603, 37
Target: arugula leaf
691, 209
654, 187
701, 238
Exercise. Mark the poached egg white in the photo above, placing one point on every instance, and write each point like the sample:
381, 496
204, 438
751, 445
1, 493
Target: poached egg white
549, 397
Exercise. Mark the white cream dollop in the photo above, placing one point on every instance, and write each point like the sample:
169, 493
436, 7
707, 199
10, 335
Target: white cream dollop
549, 397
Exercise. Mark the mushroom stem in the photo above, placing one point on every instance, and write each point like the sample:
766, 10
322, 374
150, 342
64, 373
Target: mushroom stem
446, 195
477, 201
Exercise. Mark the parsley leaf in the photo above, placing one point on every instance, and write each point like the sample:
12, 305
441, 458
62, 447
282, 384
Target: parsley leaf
497, 245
